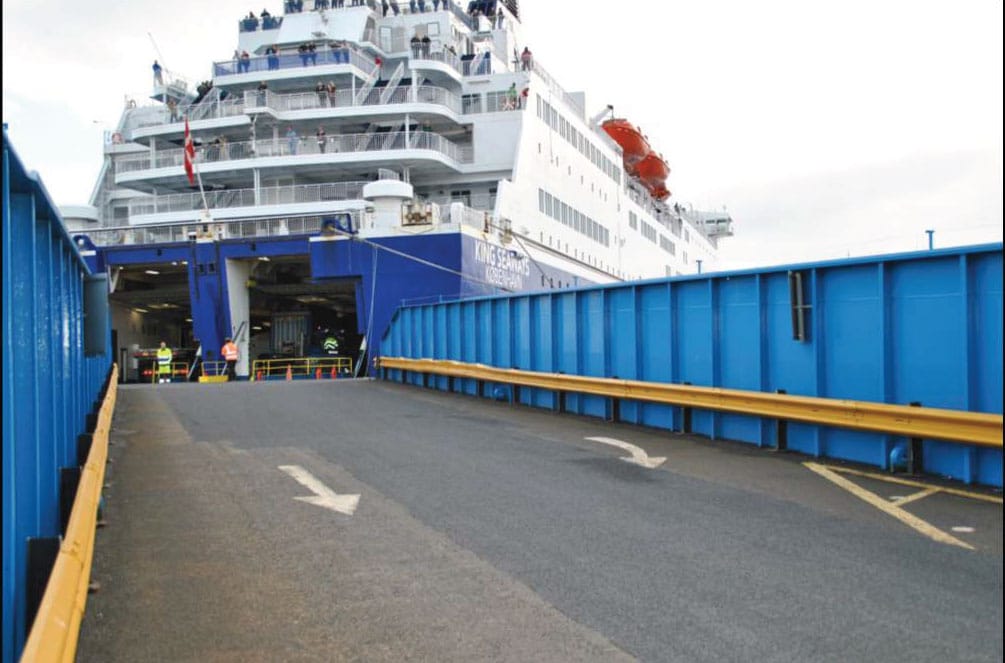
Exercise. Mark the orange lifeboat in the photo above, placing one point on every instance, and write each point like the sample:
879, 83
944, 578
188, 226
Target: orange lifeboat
633, 144
653, 172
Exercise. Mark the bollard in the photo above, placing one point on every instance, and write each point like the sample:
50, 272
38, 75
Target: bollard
289, 373
259, 375
334, 374
317, 374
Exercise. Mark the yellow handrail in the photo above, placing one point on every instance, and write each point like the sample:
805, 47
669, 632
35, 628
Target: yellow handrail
56, 628
924, 422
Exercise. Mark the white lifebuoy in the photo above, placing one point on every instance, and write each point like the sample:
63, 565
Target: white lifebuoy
117, 138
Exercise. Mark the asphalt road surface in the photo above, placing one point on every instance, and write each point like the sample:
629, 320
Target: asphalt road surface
485, 532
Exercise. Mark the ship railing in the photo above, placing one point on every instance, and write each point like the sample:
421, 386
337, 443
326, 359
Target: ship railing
301, 368
298, 146
388, 174
278, 195
167, 233
249, 24
555, 88
322, 56
424, 94
161, 115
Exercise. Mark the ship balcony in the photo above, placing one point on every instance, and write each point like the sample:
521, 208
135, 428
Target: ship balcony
288, 107
153, 122
304, 199
368, 150
321, 63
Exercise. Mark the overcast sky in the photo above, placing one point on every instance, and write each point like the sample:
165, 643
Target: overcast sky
826, 129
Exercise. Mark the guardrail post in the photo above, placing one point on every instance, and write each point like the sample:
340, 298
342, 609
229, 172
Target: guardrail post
915, 458
83, 447
42, 553
781, 431
69, 479
687, 415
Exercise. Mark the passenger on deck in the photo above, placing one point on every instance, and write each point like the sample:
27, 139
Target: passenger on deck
173, 110
158, 75
331, 94
273, 58
395, 8
302, 51
422, 6
384, 7
511, 98
245, 61
436, 5
416, 46
312, 53
266, 14
338, 4
526, 59
322, 139
292, 139
262, 89
412, 6
322, 93
425, 45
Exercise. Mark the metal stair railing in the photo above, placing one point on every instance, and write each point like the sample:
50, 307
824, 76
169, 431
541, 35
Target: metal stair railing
368, 86
396, 77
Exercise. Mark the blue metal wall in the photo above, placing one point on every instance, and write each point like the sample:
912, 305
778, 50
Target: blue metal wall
918, 327
49, 386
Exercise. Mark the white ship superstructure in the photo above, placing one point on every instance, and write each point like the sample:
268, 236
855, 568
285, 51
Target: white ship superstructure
440, 100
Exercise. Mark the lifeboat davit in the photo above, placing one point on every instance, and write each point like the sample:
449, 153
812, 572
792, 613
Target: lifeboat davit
634, 145
653, 172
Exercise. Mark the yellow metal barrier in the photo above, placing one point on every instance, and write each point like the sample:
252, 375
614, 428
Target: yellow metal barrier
213, 371
921, 422
300, 367
179, 369
56, 628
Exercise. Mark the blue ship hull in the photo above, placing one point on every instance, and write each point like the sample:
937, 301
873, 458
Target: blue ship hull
385, 273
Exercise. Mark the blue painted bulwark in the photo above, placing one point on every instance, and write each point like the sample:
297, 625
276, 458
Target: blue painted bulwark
906, 328
49, 383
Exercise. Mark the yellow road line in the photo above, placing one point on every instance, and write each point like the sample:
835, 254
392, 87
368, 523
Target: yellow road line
916, 484
915, 497
903, 516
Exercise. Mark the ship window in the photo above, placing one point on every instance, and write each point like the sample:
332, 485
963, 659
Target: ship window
471, 103
540, 199
539, 148
687, 236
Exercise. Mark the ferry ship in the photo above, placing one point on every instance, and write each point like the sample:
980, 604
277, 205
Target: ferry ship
353, 156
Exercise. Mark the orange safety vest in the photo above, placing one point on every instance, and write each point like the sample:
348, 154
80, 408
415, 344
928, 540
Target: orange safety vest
229, 352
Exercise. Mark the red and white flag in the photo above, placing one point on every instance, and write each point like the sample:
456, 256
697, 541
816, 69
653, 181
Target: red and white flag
189, 154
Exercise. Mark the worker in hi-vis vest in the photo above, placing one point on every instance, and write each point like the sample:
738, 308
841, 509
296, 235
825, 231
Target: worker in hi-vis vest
330, 345
230, 355
164, 357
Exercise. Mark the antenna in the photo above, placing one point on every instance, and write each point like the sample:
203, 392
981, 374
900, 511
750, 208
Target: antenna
159, 56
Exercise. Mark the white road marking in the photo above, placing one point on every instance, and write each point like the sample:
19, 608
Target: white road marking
323, 495
963, 529
638, 454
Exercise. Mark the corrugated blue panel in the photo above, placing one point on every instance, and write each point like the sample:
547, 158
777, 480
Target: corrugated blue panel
48, 384
929, 368
985, 332
912, 327
658, 347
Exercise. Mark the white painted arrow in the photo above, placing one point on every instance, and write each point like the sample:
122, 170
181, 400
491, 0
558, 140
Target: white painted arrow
323, 495
638, 454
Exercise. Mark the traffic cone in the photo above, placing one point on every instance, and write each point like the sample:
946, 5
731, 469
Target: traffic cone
289, 373
334, 375
259, 375
317, 374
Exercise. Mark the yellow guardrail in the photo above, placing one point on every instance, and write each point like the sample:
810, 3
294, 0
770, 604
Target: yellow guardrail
300, 367
179, 369
916, 422
56, 628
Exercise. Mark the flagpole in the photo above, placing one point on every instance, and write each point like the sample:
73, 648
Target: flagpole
190, 160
